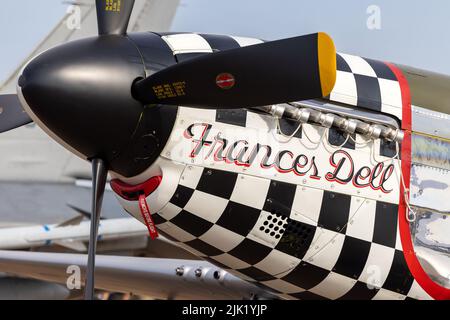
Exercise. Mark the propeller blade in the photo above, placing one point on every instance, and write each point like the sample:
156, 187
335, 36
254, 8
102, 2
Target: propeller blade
113, 16
286, 70
99, 175
11, 113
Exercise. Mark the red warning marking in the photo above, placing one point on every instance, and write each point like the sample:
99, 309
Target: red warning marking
225, 81
146, 215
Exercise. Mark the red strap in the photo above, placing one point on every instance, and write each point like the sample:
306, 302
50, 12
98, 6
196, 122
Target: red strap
434, 289
145, 211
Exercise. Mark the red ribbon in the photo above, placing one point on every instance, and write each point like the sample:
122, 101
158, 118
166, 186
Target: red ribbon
145, 212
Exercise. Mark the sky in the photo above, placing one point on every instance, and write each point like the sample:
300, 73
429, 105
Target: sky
411, 32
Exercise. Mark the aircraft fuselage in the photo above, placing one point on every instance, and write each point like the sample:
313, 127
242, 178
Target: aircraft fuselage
302, 209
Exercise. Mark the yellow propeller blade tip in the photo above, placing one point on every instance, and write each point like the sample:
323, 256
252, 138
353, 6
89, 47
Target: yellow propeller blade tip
327, 62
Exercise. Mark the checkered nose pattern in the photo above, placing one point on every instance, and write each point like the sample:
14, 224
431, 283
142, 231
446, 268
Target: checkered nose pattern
368, 84
301, 243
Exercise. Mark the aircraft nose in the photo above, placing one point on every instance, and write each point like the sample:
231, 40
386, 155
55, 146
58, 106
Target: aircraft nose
81, 93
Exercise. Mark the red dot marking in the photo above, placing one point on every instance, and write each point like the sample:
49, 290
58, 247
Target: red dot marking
225, 81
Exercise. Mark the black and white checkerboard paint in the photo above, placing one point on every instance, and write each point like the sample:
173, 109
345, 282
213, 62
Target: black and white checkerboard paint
300, 238
367, 83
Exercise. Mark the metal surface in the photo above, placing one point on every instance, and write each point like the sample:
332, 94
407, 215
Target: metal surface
152, 277
349, 112
431, 151
430, 198
431, 238
147, 15
113, 19
421, 119
430, 187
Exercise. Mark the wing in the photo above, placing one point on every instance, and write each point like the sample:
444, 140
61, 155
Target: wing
157, 278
